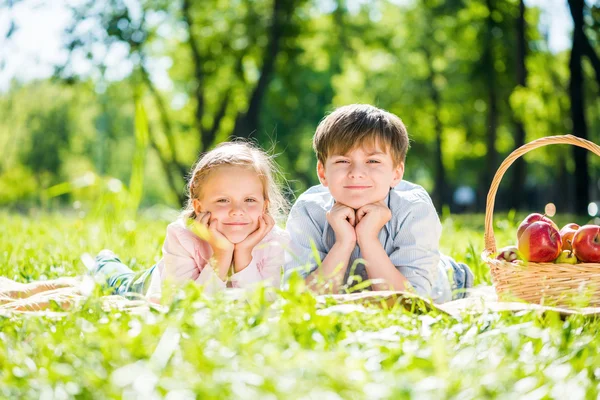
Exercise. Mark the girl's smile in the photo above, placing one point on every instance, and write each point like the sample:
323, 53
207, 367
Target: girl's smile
234, 196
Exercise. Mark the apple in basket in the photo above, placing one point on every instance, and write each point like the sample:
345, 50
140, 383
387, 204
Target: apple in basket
586, 244
508, 253
566, 257
566, 234
540, 242
530, 219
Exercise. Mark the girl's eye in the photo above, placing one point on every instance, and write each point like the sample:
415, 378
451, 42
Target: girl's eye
222, 201
251, 200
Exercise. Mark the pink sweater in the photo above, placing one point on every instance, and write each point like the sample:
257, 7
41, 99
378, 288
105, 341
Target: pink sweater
185, 257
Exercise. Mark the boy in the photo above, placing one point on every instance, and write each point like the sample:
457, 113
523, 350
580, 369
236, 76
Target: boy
363, 220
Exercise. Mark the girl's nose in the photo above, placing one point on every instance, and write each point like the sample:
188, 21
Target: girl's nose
236, 210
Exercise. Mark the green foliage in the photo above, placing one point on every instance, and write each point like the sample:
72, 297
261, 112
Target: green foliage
136, 181
18, 186
290, 348
431, 62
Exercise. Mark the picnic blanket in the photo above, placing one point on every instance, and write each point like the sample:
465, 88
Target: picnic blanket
479, 300
40, 299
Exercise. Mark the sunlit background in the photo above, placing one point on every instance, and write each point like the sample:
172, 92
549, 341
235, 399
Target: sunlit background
94, 95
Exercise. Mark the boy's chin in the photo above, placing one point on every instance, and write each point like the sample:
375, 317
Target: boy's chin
358, 203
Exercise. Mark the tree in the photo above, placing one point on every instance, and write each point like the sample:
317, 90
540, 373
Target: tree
223, 45
519, 167
576, 95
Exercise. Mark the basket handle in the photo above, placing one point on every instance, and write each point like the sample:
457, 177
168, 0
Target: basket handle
490, 240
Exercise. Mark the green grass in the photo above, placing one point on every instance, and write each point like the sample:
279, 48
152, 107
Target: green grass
288, 349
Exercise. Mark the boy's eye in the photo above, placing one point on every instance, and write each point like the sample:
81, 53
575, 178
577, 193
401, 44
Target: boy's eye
373, 161
341, 162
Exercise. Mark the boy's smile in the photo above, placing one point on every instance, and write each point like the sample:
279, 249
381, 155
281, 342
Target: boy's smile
362, 176
356, 187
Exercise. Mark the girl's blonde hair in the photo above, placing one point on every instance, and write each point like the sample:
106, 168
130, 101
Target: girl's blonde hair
242, 154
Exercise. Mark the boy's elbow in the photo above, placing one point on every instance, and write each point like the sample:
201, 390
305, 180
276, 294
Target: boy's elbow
421, 286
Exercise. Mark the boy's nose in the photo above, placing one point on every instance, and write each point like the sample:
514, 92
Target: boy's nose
356, 172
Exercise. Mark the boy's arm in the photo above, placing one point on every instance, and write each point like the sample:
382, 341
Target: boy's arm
416, 247
382, 272
380, 269
342, 220
332, 270
305, 232
305, 229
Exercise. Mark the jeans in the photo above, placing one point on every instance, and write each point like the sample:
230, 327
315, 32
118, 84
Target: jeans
461, 279
120, 277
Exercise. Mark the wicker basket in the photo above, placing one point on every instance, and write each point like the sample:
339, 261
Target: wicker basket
548, 283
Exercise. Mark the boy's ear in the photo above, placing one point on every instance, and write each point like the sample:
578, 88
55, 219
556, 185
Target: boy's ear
398, 174
321, 173
197, 206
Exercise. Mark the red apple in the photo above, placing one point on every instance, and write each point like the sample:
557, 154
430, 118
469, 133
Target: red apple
586, 243
540, 242
566, 235
508, 253
530, 219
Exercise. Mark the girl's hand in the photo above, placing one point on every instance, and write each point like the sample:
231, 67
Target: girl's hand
243, 250
221, 246
218, 242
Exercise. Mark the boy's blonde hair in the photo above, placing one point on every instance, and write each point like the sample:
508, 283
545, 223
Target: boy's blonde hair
355, 125
242, 154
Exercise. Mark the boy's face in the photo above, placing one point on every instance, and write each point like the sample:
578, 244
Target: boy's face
362, 176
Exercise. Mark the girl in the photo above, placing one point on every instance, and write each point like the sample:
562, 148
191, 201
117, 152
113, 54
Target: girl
225, 237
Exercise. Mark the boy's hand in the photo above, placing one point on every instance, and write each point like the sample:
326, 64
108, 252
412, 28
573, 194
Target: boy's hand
343, 220
242, 254
371, 218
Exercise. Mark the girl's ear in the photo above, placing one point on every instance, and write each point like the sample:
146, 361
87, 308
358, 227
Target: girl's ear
266, 207
321, 173
398, 174
197, 206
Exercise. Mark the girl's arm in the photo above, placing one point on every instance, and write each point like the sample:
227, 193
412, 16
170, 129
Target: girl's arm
185, 257
267, 260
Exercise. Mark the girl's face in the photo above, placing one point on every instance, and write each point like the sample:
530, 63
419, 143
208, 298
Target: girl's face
234, 197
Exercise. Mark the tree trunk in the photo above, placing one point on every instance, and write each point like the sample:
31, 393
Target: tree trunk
440, 192
492, 115
247, 123
562, 188
172, 180
198, 75
576, 96
519, 167
174, 170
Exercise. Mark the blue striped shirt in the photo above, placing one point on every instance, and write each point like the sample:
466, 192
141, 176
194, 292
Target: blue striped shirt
411, 238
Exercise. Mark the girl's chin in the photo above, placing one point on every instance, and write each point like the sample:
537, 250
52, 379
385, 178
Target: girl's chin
236, 238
